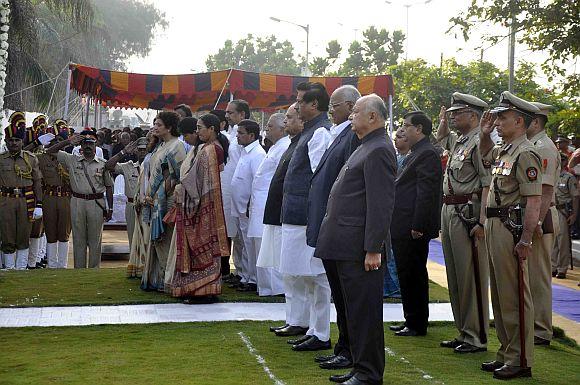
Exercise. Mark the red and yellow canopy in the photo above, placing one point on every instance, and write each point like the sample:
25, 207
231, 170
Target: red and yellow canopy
201, 91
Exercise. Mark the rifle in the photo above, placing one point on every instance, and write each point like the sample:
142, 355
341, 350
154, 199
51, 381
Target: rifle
470, 223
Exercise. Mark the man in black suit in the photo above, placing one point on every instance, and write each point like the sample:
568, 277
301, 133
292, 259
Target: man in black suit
353, 232
416, 220
342, 143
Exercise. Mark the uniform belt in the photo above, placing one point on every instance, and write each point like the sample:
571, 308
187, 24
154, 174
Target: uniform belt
57, 191
497, 212
130, 200
88, 197
14, 192
456, 199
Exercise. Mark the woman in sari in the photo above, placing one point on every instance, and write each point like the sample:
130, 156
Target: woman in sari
200, 239
164, 168
140, 242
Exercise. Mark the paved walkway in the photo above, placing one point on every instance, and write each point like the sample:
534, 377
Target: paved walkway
144, 314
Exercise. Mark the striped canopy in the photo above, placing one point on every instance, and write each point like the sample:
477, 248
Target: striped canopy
201, 91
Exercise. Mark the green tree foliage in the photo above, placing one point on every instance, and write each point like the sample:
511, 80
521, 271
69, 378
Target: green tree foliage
46, 35
552, 27
319, 65
255, 54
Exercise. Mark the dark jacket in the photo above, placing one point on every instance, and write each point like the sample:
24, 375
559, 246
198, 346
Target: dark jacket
297, 181
361, 202
418, 193
330, 164
273, 208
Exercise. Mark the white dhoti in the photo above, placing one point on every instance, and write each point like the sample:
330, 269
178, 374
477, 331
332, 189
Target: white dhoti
249, 254
309, 280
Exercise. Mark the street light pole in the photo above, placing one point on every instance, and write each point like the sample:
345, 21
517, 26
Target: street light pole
306, 28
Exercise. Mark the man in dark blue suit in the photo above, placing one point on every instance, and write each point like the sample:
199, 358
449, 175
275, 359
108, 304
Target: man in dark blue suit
416, 220
342, 143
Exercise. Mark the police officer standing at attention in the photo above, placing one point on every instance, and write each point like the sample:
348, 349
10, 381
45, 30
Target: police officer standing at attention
540, 264
20, 194
515, 183
461, 223
89, 179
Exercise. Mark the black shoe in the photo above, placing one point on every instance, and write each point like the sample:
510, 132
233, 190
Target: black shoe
39, 265
338, 362
490, 366
235, 285
468, 348
320, 359
31, 267
248, 288
397, 328
274, 328
541, 341
340, 378
313, 343
408, 332
450, 344
554, 273
298, 341
44, 262
508, 372
354, 381
561, 275
290, 331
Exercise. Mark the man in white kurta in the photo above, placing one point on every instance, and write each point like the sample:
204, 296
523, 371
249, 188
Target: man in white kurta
250, 160
269, 279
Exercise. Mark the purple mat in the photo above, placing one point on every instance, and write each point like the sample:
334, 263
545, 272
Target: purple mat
565, 301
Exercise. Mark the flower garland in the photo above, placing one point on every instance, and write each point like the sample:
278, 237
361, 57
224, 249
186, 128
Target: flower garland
4, 27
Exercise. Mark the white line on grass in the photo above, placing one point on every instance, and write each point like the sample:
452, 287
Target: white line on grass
424, 374
260, 359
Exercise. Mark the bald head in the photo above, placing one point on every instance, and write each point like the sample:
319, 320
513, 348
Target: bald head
369, 113
275, 127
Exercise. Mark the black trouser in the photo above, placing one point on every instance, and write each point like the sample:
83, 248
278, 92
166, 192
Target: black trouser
363, 302
342, 347
225, 267
411, 259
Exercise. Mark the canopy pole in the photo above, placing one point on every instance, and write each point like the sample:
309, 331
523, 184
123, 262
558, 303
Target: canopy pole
96, 114
67, 93
391, 116
222, 90
87, 111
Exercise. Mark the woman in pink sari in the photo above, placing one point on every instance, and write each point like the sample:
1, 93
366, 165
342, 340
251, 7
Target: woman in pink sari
199, 240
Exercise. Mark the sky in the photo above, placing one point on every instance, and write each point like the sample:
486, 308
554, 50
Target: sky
198, 28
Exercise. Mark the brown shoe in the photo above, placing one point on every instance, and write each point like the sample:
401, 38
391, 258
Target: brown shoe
490, 366
508, 372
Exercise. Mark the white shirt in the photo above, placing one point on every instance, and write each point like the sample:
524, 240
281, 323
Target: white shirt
98, 151
261, 185
250, 159
234, 151
317, 145
336, 130
185, 144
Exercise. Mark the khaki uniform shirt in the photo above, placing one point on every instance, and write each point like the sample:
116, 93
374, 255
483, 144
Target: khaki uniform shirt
19, 170
466, 171
53, 173
130, 171
515, 173
550, 158
566, 189
100, 177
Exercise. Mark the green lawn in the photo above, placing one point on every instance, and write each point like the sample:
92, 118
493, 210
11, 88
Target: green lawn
214, 353
46, 287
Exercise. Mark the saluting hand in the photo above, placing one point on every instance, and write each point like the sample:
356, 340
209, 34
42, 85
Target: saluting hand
75, 139
131, 147
443, 117
486, 122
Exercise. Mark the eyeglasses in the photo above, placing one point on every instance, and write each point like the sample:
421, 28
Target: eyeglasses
406, 125
335, 105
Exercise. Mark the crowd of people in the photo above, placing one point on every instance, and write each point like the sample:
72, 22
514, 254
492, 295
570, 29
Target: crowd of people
324, 207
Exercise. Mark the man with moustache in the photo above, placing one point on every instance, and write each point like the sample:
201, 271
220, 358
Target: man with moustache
89, 180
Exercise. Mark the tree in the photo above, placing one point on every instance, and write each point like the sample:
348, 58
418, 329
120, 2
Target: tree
101, 33
553, 28
255, 54
319, 65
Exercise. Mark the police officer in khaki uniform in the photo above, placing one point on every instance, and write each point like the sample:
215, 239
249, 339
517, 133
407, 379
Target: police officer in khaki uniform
89, 180
130, 172
57, 214
548, 226
466, 260
20, 194
567, 197
516, 182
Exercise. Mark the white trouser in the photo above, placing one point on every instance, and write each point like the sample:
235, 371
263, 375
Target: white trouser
250, 255
297, 306
33, 250
318, 297
41, 249
51, 255
62, 255
21, 259
10, 261
269, 280
238, 250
